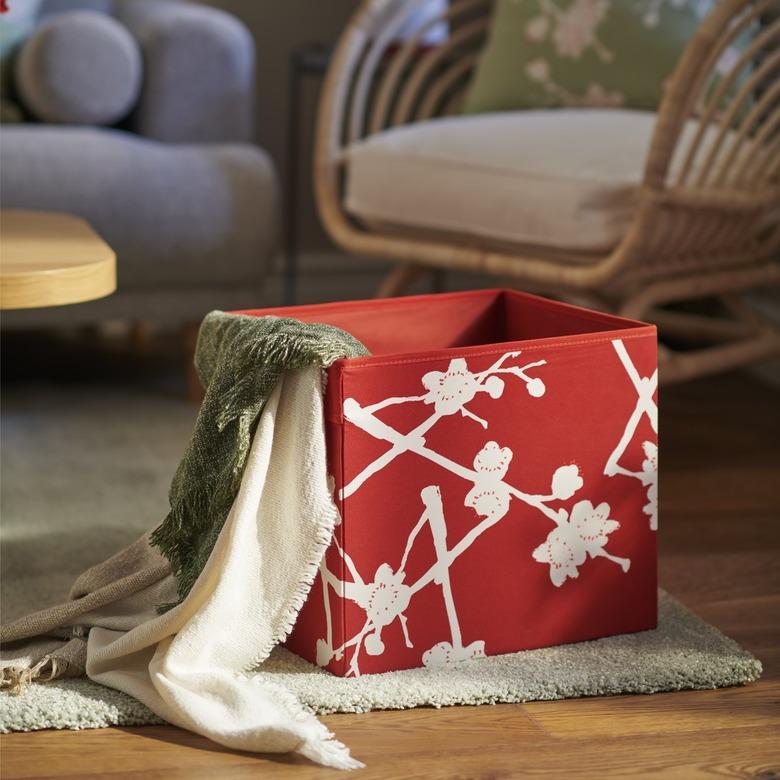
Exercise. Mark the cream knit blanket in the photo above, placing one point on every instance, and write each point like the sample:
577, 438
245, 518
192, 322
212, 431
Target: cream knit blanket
190, 665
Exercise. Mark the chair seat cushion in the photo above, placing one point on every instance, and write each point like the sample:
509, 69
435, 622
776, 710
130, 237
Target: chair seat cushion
565, 179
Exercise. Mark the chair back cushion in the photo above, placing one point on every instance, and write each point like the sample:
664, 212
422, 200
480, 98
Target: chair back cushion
581, 53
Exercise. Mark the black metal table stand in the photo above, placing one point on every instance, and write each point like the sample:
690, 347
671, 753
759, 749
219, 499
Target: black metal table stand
310, 60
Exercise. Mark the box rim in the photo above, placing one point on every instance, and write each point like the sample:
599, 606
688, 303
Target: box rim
628, 328
493, 348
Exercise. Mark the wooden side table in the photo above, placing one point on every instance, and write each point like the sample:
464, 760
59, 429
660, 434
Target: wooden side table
49, 259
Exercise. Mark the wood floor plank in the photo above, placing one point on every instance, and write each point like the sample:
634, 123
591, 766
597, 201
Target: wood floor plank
738, 752
662, 713
679, 756
437, 731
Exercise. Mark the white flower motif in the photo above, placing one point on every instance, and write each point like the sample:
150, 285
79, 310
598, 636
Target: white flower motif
593, 525
331, 483
651, 15
538, 70
576, 28
584, 533
649, 477
536, 29
324, 653
651, 507
386, 597
598, 97
650, 463
493, 461
566, 482
444, 653
535, 387
651, 18
384, 600
563, 551
489, 496
450, 390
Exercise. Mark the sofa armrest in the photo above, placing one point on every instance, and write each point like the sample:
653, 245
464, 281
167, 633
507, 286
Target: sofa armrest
199, 72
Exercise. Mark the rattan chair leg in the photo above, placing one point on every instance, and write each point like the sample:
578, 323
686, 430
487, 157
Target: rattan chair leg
762, 342
681, 366
400, 279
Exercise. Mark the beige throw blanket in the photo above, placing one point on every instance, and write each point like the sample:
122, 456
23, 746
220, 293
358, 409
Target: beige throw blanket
192, 665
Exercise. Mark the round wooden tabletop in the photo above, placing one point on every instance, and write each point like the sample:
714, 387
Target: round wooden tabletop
49, 259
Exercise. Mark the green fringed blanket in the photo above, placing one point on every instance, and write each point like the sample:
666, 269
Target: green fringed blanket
239, 360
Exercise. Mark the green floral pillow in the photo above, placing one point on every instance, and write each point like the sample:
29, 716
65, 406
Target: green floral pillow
577, 53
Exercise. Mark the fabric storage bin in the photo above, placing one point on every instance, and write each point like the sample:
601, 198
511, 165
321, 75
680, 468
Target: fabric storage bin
494, 462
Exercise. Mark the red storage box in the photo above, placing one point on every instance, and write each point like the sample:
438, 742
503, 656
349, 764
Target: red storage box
495, 465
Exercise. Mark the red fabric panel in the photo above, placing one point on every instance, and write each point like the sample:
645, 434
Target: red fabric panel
525, 503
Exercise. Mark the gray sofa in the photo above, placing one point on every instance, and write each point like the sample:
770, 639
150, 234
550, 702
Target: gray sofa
175, 186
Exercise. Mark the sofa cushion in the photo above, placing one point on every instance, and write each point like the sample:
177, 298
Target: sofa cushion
178, 216
559, 178
81, 67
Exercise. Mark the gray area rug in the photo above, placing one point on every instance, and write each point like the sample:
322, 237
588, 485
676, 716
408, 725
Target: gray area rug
86, 472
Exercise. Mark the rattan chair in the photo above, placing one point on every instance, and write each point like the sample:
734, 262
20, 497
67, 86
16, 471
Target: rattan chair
707, 226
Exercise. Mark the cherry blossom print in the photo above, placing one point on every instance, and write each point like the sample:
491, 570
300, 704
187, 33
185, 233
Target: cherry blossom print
563, 552
538, 70
651, 9
536, 29
449, 391
592, 525
490, 496
585, 533
324, 653
444, 654
566, 482
384, 600
645, 408
578, 533
649, 476
574, 29
598, 97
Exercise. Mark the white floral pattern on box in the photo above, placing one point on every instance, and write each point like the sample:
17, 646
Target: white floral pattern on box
578, 533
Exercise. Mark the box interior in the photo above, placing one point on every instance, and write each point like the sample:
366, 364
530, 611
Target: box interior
423, 323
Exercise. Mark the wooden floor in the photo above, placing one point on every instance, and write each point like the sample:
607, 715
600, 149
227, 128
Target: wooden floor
719, 539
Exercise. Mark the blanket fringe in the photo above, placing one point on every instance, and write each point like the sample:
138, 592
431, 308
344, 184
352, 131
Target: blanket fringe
329, 752
289, 616
16, 679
